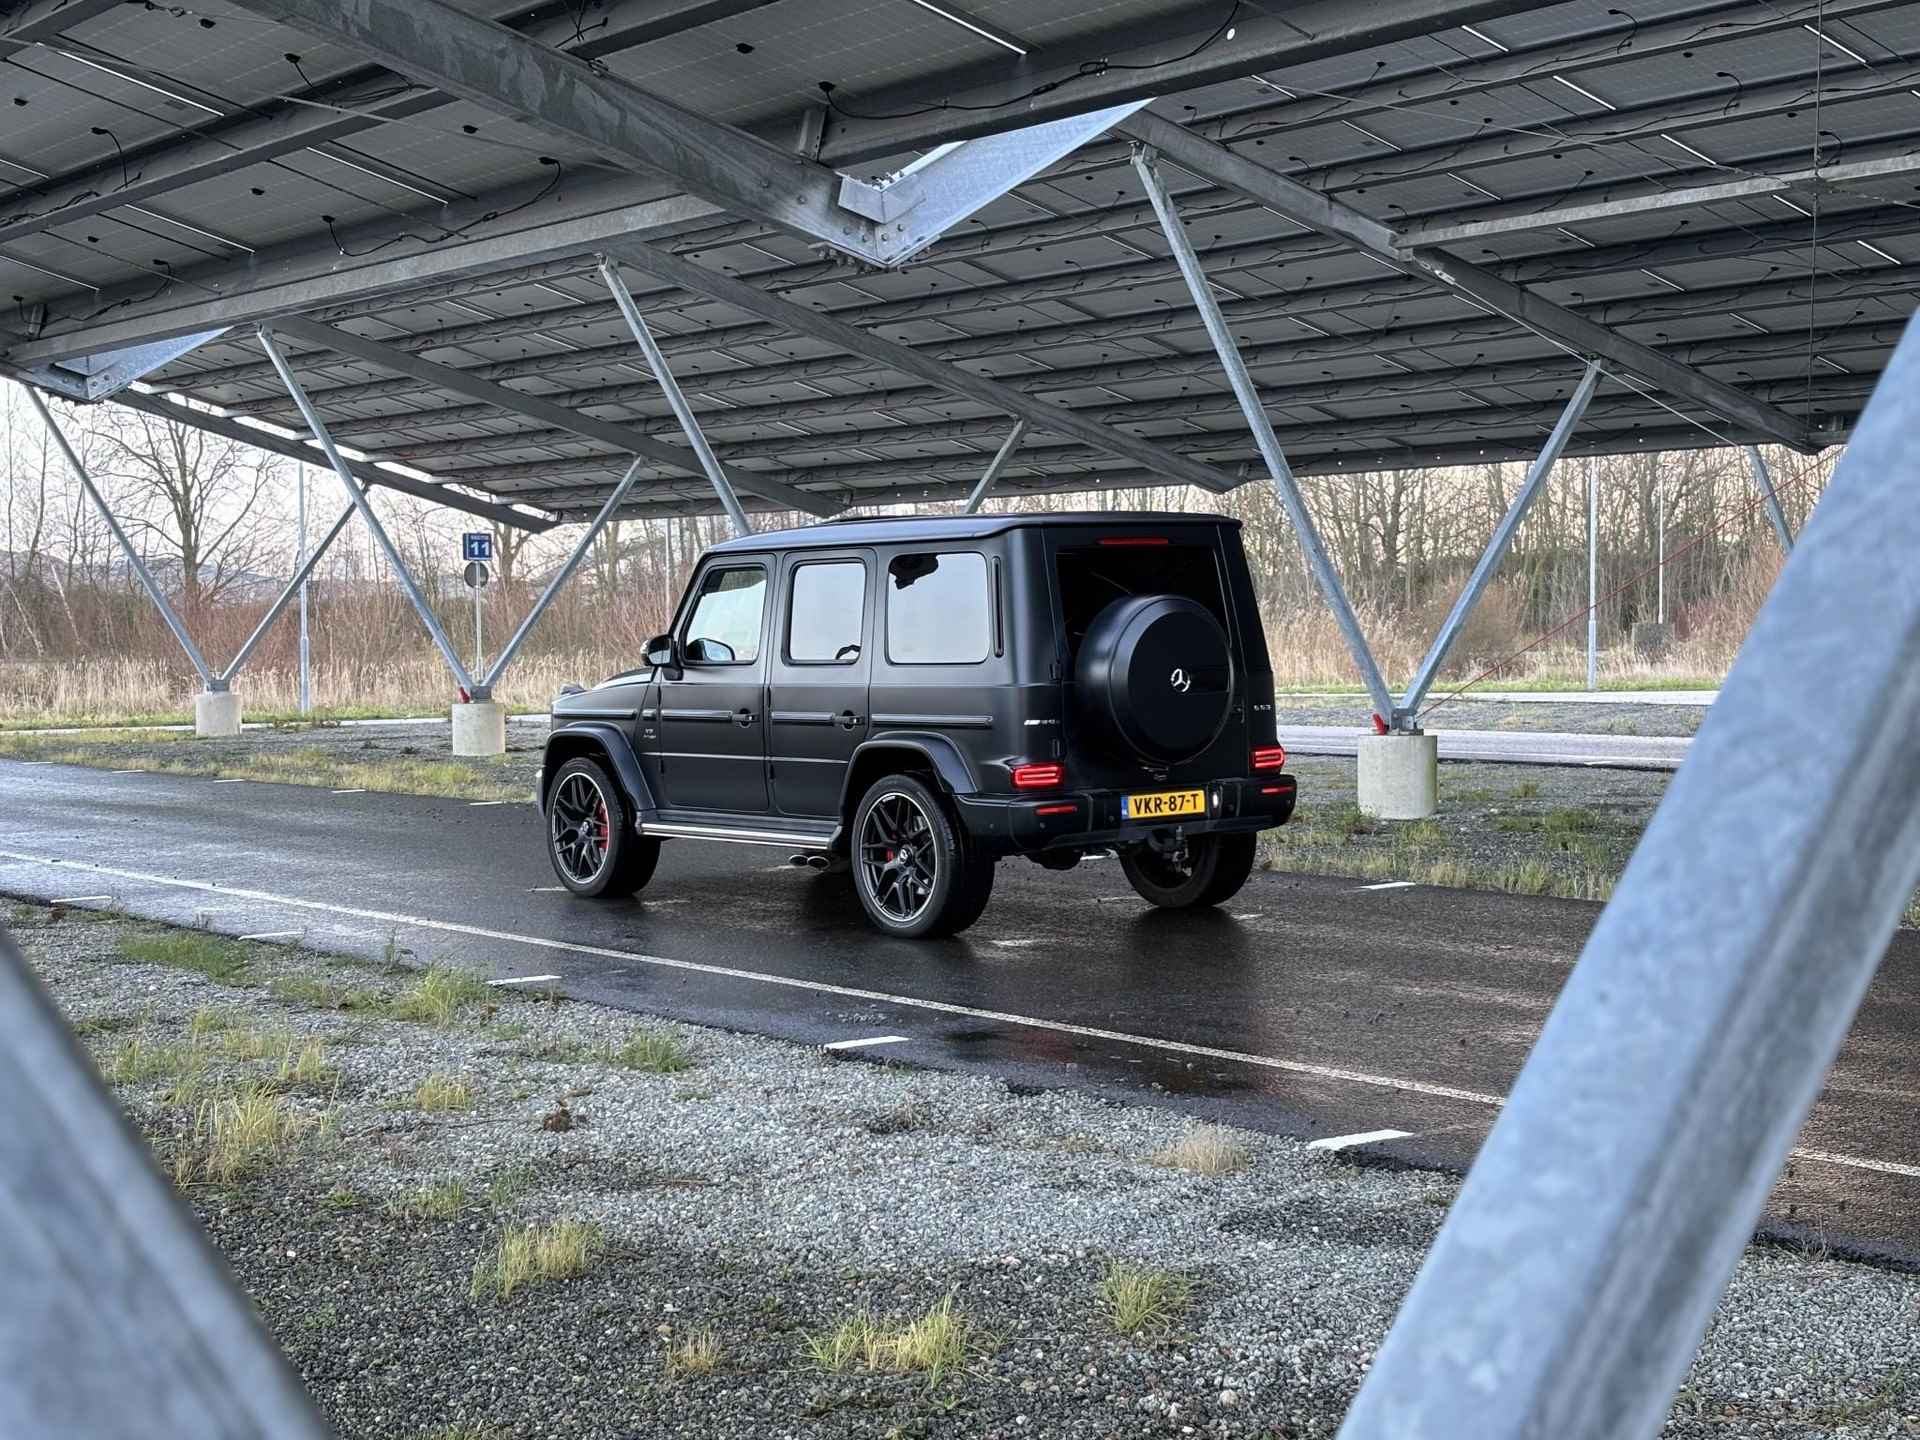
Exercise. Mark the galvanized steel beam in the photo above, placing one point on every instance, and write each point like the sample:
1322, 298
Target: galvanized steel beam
1284, 484
994, 466
1406, 714
1763, 481
306, 568
1223, 166
1580, 1263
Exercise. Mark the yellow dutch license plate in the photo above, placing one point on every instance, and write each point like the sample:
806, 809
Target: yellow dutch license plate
1162, 804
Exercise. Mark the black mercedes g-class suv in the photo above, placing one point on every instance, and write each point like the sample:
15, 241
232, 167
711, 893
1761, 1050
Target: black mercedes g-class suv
916, 699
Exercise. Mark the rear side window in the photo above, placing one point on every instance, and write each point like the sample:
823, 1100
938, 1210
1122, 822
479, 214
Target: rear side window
1092, 577
939, 609
724, 628
823, 613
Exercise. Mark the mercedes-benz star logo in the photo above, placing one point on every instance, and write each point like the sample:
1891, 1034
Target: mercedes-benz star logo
1180, 680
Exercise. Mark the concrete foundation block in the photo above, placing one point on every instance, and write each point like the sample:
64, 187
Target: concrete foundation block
480, 728
1399, 776
216, 712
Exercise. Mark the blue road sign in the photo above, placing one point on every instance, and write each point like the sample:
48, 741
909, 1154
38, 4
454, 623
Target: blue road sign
476, 545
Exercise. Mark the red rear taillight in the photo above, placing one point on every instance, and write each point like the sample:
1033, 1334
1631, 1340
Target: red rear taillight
1066, 809
1038, 777
1269, 757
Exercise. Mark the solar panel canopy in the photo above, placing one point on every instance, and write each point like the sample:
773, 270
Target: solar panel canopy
1420, 220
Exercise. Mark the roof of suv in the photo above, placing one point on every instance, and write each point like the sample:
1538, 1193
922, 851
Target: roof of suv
889, 529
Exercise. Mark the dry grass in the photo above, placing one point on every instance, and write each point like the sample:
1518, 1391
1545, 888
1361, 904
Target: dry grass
305, 1066
237, 1136
321, 994
1143, 1299
436, 1200
1204, 1150
533, 1255
934, 1344
442, 1094
696, 1353
440, 996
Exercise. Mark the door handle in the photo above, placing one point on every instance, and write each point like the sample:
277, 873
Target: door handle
743, 716
849, 720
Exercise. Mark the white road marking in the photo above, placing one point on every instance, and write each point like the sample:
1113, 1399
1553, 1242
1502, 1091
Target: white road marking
524, 980
346, 792
871, 1040
231, 780
476, 804
1365, 1137
849, 992
126, 772
77, 899
1018, 944
547, 890
1390, 885
1249, 915
274, 935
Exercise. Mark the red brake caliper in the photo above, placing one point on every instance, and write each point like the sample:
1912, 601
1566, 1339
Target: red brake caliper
604, 827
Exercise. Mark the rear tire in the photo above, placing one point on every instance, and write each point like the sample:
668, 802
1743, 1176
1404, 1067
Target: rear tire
1211, 869
590, 836
914, 871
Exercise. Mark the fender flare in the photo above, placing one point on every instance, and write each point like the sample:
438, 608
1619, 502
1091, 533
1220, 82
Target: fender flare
616, 745
941, 754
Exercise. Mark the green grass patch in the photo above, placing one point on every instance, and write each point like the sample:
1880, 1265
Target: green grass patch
441, 995
529, 1255
1143, 1299
216, 957
654, 1051
436, 1200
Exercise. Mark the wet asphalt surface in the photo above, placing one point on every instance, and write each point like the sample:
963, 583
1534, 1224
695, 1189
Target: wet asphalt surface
1309, 1006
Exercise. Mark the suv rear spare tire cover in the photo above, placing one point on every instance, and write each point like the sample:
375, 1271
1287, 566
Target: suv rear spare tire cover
1154, 678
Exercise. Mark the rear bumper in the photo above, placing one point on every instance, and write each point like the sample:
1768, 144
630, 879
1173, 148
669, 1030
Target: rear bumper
1071, 820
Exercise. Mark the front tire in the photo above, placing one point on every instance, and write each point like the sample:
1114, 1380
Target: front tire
915, 872
590, 834
1208, 870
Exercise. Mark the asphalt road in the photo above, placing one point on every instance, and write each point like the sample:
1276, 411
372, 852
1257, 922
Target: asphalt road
1518, 747
1316, 1007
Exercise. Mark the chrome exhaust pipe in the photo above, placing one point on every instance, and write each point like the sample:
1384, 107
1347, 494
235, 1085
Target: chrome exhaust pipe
815, 861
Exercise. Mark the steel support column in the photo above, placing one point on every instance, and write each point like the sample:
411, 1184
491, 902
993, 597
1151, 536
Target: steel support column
994, 466
1325, 576
208, 679
1496, 551
1577, 1270
676, 401
1764, 481
296, 586
565, 573
359, 499
1593, 576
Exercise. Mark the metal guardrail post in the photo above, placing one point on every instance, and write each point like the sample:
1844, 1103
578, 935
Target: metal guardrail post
683, 412
1497, 547
147, 582
1572, 1281
1764, 480
117, 1319
1288, 488
360, 503
994, 466
565, 573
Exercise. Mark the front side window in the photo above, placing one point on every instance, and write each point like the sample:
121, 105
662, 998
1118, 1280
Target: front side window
823, 613
724, 628
939, 609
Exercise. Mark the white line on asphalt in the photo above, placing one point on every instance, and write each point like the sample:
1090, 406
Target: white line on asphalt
1018, 944
871, 1040
274, 935
476, 804
1390, 885
126, 772
231, 780
849, 992
347, 792
547, 890
523, 980
76, 899
1248, 915
1365, 1137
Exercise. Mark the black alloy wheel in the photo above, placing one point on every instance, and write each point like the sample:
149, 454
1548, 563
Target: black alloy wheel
1203, 870
590, 836
912, 866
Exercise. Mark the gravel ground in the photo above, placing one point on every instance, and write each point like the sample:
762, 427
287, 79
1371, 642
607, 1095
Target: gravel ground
768, 1192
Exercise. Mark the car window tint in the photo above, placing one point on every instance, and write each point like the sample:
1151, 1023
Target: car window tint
725, 624
823, 614
939, 609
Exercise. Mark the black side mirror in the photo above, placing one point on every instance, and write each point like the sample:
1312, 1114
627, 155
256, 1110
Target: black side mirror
664, 655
